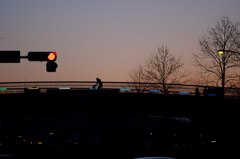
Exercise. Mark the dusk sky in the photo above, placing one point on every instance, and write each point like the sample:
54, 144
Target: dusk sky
103, 38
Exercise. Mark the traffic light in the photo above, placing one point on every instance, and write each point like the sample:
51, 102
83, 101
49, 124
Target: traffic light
42, 56
50, 57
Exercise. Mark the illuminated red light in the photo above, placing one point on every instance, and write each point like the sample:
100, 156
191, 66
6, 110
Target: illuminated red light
52, 56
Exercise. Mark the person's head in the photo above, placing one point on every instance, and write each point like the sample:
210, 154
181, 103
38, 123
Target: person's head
97, 79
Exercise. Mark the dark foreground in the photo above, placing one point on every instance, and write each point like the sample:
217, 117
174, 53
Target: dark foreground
112, 125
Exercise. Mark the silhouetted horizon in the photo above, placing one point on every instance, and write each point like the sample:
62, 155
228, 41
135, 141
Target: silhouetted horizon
103, 38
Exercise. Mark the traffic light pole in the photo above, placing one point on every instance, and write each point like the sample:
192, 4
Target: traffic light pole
23, 57
9, 56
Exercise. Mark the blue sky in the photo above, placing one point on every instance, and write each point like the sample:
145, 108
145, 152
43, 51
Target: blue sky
103, 38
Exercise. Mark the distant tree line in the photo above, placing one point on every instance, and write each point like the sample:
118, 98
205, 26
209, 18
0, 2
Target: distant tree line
160, 67
213, 69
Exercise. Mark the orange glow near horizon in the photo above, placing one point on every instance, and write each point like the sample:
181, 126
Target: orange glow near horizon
103, 39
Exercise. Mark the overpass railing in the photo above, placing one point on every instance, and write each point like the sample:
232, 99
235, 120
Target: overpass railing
132, 87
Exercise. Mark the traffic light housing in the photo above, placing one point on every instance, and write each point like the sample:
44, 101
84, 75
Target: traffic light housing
50, 57
42, 56
51, 66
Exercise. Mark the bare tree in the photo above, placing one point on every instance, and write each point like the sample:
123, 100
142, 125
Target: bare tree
165, 68
225, 35
138, 78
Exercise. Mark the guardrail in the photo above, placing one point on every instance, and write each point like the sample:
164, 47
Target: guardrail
133, 87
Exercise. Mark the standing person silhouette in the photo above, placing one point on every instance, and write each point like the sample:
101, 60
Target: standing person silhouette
99, 83
205, 93
197, 93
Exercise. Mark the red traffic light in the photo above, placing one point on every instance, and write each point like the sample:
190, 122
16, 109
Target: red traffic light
42, 56
49, 56
52, 56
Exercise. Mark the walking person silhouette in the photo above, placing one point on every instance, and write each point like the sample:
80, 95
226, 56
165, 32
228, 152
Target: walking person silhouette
99, 83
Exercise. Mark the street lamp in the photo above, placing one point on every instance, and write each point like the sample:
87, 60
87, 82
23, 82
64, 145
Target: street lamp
221, 51
223, 75
224, 51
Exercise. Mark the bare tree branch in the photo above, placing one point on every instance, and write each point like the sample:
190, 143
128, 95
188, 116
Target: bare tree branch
225, 35
163, 67
138, 78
